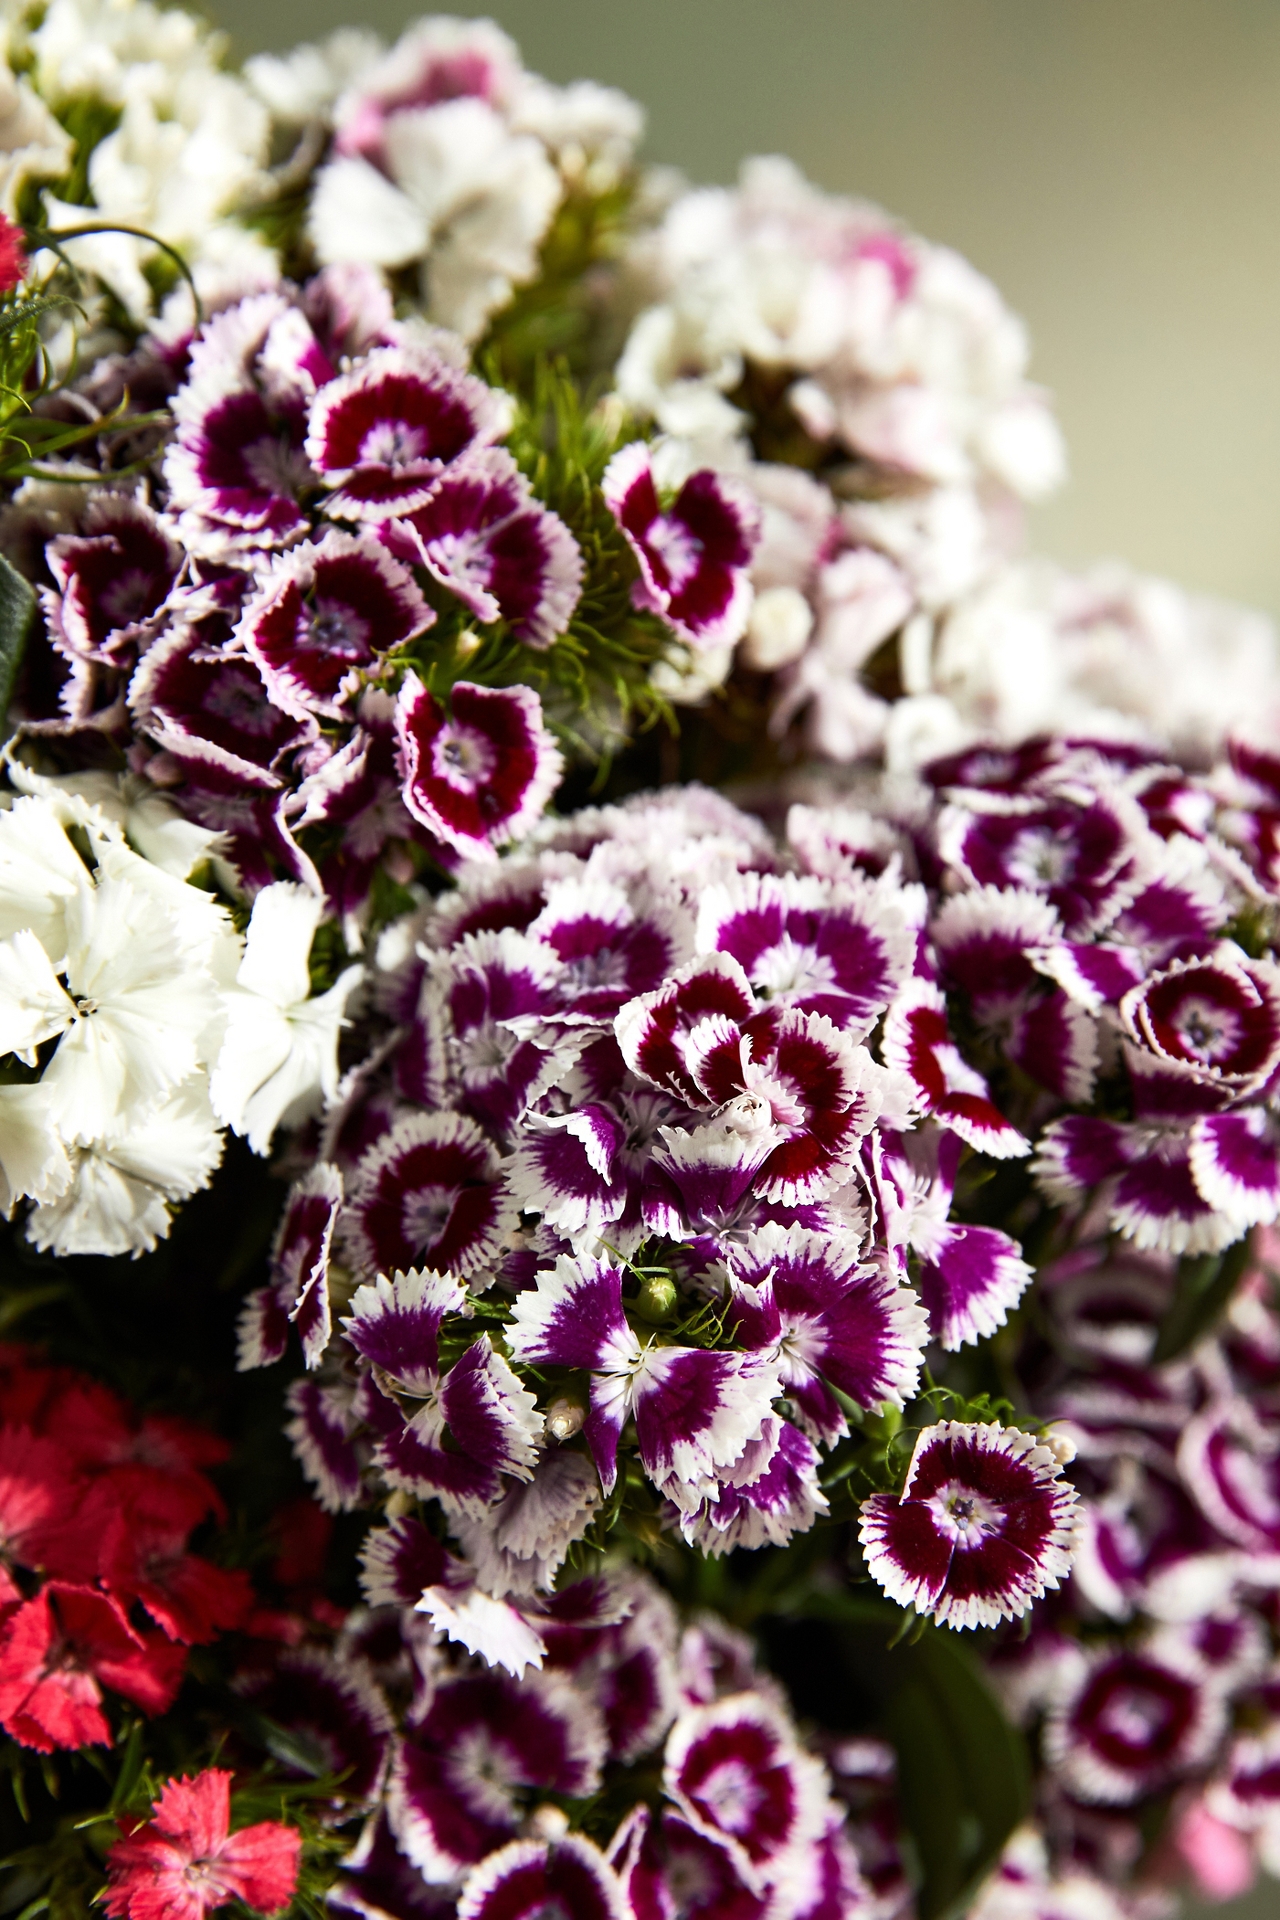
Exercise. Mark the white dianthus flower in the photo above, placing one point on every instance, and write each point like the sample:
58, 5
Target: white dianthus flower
279, 1060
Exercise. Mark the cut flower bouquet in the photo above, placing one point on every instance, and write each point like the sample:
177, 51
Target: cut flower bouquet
639, 1061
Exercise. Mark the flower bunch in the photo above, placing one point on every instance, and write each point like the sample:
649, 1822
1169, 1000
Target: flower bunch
447, 156
637, 1755
1151, 1680
620, 1205
851, 1210
98, 1586
135, 1017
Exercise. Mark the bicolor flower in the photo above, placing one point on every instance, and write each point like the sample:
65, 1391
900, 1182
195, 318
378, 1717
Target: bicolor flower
917, 1043
447, 1433
299, 1289
323, 612
983, 1526
529, 1878
738, 1776
839, 949
694, 556
460, 1783
705, 1038
481, 773
429, 1191
695, 1410
487, 540
829, 1320
1130, 1724
382, 434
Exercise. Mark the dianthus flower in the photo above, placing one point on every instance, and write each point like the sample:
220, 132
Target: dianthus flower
184, 1861
982, 1527
622, 1178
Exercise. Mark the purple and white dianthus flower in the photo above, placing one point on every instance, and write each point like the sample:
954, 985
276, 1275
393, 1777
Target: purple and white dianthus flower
694, 556
982, 1528
480, 773
382, 435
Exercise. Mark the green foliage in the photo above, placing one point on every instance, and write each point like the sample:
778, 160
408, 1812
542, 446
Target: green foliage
17, 608
564, 311
593, 681
31, 427
1202, 1294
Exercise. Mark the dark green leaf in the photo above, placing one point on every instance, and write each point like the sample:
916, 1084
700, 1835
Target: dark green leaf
963, 1777
17, 606
963, 1772
1203, 1292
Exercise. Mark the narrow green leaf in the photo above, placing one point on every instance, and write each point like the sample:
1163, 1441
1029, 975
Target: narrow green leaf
17, 606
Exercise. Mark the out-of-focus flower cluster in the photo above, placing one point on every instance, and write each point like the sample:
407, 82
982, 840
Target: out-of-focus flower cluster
869, 389
643, 1765
446, 156
98, 1588
1151, 1678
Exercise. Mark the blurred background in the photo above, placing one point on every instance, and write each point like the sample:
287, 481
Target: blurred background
1115, 168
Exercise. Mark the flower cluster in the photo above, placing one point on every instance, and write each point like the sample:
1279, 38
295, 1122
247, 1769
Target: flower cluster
1153, 1674
621, 1185
858, 1205
446, 155
98, 1587
125, 108
134, 1018
637, 1760
869, 390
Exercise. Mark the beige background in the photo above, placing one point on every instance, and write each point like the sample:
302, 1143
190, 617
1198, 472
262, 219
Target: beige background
1114, 165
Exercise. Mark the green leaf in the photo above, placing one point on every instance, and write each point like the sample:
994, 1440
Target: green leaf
17, 606
1203, 1293
963, 1777
964, 1780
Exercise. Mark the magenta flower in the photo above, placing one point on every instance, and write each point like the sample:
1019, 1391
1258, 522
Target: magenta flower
528, 1879
484, 537
299, 1289
984, 1525
830, 1320
1133, 1722
694, 556
480, 774
917, 1042
428, 1193
695, 1410
738, 1776
321, 613
382, 434
835, 948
